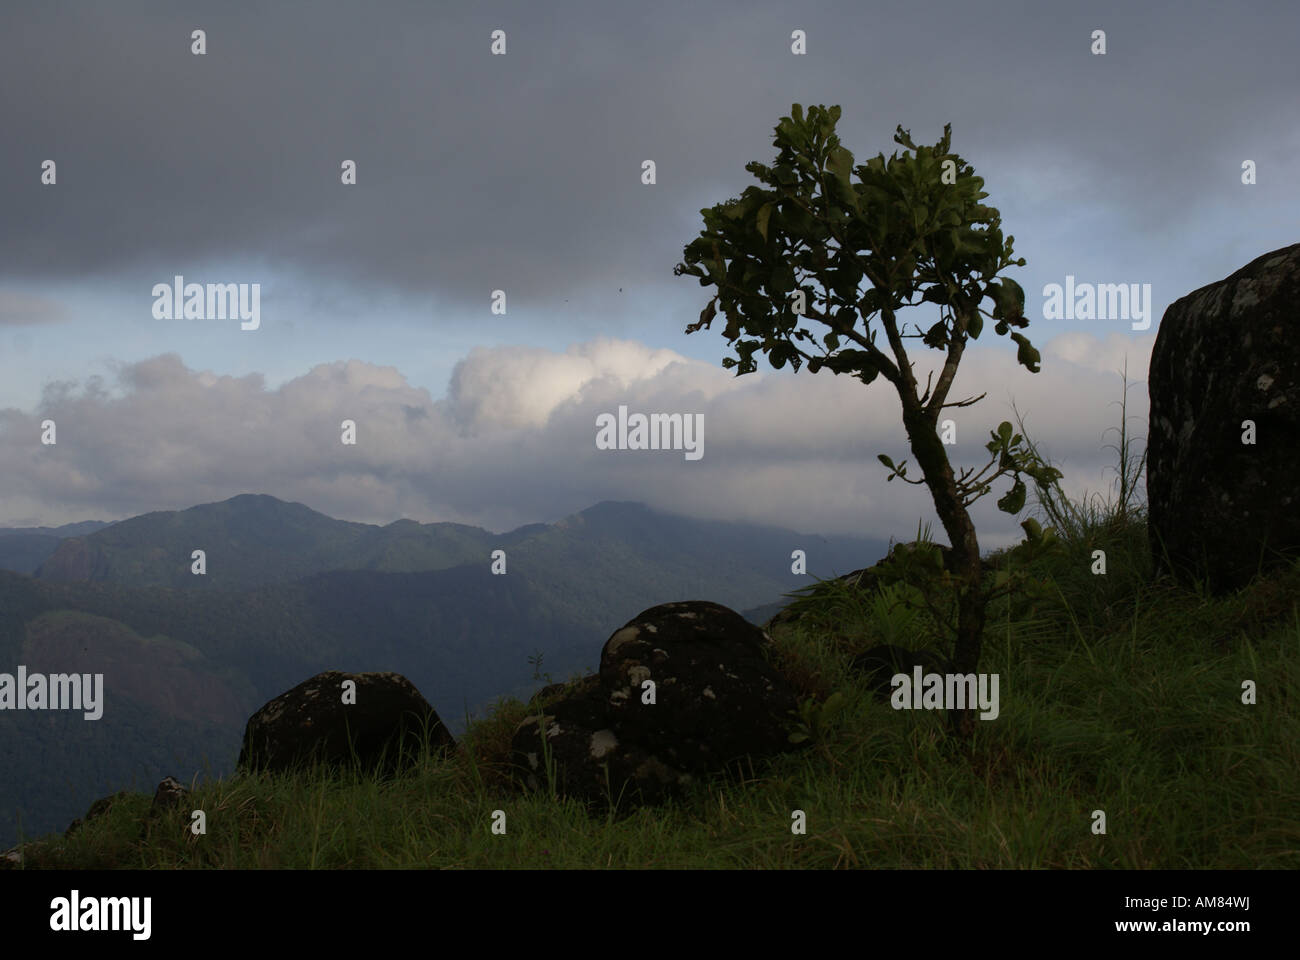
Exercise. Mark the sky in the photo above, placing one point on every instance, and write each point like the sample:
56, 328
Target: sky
523, 172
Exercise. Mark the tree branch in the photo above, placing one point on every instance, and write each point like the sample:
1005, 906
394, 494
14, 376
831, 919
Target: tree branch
969, 401
928, 377
955, 347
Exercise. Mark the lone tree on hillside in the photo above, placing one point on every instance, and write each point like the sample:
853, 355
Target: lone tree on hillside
912, 224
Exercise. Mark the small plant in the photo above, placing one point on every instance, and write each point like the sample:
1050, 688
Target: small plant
893, 618
915, 578
535, 661
1078, 522
817, 719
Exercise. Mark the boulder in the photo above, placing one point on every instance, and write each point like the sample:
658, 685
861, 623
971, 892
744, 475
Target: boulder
571, 746
716, 697
717, 702
1227, 353
384, 729
170, 793
547, 692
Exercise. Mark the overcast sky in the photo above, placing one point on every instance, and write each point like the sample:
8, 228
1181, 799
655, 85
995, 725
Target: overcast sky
523, 172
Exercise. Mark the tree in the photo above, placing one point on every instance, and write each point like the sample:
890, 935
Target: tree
910, 225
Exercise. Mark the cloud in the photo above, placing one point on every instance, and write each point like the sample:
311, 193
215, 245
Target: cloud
18, 309
514, 440
523, 386
465, 184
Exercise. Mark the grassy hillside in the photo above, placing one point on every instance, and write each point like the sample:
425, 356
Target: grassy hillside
1118, 694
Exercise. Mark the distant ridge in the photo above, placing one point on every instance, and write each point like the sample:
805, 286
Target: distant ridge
67, 530
24, 549
253, 540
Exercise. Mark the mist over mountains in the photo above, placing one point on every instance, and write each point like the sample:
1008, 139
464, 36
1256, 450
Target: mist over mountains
289, 592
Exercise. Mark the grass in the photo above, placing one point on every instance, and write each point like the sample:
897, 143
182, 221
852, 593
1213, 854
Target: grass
1119, 694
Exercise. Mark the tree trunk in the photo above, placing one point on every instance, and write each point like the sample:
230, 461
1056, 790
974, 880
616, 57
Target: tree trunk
971, 602
966, 654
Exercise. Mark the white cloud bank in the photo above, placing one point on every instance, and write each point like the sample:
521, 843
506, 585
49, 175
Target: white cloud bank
514, 439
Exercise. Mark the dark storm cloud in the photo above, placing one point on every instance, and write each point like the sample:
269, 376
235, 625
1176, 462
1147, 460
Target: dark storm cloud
522, 171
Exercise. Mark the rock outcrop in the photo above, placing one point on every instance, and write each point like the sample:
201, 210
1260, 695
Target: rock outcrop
97, 809
684, 690
1226, 354
170, 793
385, 727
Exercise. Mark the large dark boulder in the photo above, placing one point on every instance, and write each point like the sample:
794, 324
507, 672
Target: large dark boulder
571, 747
384, 730
717, 701
716, 697
1227, 353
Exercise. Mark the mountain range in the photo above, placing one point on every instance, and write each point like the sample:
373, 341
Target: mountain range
24, 549
289, 592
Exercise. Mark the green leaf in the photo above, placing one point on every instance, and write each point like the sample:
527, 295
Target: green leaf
706, 316
1014, 501
764, 215
936, 336
1026, 355
840, 163
1013, 297
887, 461
869, 374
